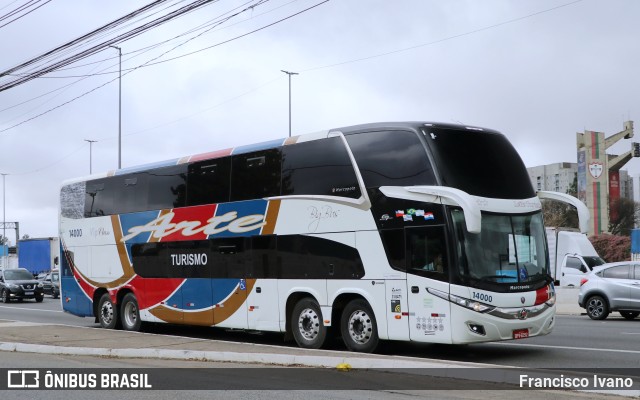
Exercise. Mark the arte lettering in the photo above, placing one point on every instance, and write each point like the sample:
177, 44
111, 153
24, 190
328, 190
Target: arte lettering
164, 225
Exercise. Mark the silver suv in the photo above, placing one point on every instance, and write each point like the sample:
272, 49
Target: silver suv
611, 287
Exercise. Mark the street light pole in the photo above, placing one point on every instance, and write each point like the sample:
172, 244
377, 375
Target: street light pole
289, 73
91, 142
119, 106
4, 223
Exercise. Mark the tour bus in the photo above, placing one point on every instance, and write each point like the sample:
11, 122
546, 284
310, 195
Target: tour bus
414, 231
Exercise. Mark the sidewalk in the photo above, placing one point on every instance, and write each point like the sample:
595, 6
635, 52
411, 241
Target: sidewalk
567, 301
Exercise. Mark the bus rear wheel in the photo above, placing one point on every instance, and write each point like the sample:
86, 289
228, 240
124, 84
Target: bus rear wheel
107, 312
130, 313
306, 324
358, 327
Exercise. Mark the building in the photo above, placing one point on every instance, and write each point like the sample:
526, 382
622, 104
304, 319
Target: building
559, 177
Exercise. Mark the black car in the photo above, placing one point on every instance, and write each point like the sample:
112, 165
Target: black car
51, 284
19, 284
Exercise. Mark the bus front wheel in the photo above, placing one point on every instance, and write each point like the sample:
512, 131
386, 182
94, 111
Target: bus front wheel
130, 313
306, 324
107, 312
358, 327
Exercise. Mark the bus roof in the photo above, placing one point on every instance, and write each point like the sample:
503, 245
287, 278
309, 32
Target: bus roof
410, 125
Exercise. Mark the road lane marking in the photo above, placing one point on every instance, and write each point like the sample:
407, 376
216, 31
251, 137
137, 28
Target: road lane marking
569, 348
630, 333
29, 309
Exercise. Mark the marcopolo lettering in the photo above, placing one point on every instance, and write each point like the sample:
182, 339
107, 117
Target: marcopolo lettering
188, 260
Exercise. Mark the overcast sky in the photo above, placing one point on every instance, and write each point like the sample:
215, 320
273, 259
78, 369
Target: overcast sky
539, 71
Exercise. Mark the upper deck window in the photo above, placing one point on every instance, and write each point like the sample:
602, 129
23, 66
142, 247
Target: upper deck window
480, 163
318, 167
391, 158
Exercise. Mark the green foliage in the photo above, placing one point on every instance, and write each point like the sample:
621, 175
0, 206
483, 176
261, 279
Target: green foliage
612, 248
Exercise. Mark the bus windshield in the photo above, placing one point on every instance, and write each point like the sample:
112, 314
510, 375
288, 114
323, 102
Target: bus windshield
509, 249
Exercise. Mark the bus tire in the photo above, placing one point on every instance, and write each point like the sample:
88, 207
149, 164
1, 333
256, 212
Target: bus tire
107, 312
358, 327
306, 324
130, 313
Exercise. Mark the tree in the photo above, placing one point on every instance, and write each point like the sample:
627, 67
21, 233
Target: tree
626, 216
4, 241
558, 214
612, 248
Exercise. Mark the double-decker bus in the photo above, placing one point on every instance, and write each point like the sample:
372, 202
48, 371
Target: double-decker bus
402, 231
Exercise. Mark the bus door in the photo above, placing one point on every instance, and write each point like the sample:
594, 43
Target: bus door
229, 284
262, 298
427, 269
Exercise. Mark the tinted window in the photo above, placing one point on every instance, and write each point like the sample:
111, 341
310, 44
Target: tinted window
209, 181
99, 198
263, 255
130, 193
479, 163
393, 241
308, 257
619, 272
319, 167
395, 158
427, 252
573, 263
167, 187
255, 175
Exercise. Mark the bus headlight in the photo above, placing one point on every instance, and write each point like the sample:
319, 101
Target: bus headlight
470, 304
461, 301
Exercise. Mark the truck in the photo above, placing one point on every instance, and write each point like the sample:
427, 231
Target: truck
39, 255
571, 256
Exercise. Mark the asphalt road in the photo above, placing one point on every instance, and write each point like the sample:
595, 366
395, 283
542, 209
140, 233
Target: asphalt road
577, 341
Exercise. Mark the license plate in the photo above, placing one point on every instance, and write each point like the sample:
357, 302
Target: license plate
520, 333
28, 293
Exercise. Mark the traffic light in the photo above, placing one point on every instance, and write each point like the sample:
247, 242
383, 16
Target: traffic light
636, 149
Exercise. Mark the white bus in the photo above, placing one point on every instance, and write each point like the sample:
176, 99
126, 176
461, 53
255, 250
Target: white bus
401, 231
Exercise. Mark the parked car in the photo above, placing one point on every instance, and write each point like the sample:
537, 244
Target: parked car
611, 287
51, 284
19, 284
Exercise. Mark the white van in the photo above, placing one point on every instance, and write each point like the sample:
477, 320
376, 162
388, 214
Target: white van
571, 256
575, 267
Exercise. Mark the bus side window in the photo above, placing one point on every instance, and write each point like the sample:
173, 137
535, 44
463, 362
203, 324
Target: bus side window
99, 198
208, 181
427, 252
393, 242
167, 187
255, 175
131, 193
319, 167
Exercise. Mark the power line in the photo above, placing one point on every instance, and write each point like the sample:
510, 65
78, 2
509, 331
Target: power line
20, 9
94, 49
128, 71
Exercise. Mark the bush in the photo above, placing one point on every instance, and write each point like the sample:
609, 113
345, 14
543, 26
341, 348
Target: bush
612, 248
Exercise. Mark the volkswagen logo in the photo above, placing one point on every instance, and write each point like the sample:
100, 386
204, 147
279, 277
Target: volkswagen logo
523, 314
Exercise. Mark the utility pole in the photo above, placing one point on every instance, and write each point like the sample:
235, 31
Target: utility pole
289, 73
91, 142
4, 223
119, 106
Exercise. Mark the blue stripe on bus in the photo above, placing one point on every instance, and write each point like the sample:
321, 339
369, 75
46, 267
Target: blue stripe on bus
200, 293
242, 208
139, 168
258, 146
